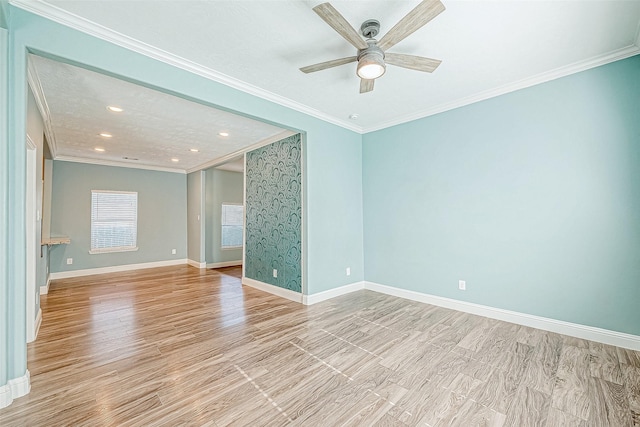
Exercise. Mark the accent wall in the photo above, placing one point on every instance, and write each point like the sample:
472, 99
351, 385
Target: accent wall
274, 214
162, 214
532, 198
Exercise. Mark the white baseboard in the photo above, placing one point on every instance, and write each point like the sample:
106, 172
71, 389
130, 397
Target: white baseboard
115, 269
45, 289
275, 290
38, 322
224, 264
196, 264
591, 333
332, 293
14, 389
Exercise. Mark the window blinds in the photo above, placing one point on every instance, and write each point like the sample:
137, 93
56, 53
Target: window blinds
232, 223
114, 221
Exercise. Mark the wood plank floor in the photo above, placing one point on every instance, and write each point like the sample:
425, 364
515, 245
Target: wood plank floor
179, 346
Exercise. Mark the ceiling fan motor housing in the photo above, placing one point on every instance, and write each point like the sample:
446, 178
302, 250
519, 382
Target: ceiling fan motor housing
370, 28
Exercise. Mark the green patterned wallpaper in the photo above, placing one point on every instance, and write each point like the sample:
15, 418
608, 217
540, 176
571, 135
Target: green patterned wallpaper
273, 214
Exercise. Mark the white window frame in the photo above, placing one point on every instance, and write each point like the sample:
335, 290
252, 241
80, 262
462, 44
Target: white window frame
227, 248
113, 249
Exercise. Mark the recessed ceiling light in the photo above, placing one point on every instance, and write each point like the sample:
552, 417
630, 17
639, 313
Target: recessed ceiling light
194, 150
175, 160
223, 133
115, 109
106, 135
99, 149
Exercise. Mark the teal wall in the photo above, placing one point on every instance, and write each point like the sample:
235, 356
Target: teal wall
532, 197
162, 214
221, 187
273, 203
7, 354
195, 216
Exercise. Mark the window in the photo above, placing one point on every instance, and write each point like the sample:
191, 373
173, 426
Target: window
114, 221
232, 223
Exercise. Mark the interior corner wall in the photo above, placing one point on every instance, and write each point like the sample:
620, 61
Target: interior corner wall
273, 211
195, 216
162, 214
532, 197
221, 187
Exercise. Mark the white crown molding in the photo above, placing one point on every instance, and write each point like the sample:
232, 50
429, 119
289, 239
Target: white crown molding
605, 336
511, 87
275, 290
86, 26
221, 160
41, 102
115, 269
116, 164
81, 24
30, 144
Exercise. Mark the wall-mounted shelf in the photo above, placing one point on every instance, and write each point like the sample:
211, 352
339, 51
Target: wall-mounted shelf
56, 241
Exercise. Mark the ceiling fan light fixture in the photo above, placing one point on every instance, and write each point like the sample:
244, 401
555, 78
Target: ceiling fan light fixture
371, 64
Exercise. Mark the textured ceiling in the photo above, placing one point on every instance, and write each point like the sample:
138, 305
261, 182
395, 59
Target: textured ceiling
487, 47
153, 129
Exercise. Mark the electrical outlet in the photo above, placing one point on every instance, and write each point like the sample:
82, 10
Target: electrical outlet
173, 251
69, 261
462, 285
348, 271
275, 273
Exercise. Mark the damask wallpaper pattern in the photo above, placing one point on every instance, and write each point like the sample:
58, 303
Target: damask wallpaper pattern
273, 214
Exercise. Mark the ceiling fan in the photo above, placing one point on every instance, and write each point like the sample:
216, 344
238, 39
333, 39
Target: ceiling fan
372, 54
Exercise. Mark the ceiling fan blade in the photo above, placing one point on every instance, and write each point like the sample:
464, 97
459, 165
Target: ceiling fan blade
332, 17
366, 85
412, 62
328, 64
419, 16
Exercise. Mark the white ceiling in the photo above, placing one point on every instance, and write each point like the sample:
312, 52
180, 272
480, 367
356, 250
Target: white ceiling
487, 48
153, 129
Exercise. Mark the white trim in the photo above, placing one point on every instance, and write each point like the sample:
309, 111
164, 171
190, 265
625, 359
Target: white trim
224, 264
5, 396
117, 164
44, 290
196, 264
86, 26
275, 290
14, 389
566, 70
221, 160
38, 323
41, 102
115, 269
591, 333
332, 293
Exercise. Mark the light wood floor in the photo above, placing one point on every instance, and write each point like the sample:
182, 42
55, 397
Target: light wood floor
177, 346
